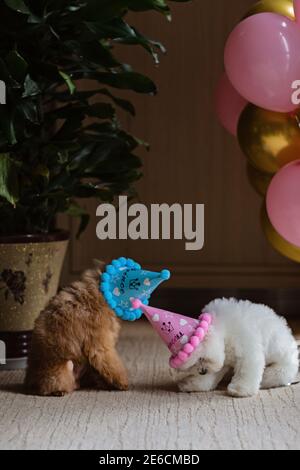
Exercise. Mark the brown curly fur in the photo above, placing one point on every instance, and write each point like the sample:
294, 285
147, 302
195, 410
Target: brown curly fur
74, 342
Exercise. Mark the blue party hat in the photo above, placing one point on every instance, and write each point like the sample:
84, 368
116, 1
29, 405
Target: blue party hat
125, 280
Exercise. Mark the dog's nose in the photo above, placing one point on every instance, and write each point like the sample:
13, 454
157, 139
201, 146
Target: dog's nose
203, 371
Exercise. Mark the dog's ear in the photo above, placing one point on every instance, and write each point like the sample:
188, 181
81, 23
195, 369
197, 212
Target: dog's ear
99, 265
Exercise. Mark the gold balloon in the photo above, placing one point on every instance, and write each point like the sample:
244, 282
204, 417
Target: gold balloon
269, 140
258, 180
282, 7
278, 243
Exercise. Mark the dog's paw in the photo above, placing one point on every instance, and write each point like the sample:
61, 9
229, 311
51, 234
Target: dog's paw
59, 393
185, 387
241, 391
190, 386
122, 386
51, 393
121, 382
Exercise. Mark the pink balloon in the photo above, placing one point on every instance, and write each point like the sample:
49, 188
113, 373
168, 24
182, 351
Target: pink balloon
262, 60
297, 10
228, 104
283, 202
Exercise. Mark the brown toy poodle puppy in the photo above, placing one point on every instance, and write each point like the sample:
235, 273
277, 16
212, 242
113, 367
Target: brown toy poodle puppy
74, 342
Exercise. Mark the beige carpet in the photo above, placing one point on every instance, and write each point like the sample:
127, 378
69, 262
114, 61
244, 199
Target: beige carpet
151, 416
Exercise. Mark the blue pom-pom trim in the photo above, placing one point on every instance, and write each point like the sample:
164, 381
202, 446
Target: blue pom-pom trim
165, 274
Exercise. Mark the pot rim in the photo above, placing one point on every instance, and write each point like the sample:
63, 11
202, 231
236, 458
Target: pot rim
56, 236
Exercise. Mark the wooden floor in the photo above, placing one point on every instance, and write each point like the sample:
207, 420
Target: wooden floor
151, 416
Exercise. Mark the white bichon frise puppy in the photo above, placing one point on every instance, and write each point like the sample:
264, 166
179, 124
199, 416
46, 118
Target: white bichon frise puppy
247, 339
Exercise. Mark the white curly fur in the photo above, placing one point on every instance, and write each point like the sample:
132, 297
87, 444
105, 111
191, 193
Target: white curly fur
248, 339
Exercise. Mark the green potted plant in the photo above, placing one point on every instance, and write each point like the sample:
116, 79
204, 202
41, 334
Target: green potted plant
57, 144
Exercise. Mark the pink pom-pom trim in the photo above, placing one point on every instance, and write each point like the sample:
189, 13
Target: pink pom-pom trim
188, 348
183, 356
205, 320
200, 333
204, 325
175, 362
206, 317
136, 303
195, 341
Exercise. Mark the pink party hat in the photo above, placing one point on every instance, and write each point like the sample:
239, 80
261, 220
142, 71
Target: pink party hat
181, 334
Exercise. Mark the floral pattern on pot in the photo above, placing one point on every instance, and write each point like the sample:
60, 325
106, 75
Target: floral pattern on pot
15, 284
47, 279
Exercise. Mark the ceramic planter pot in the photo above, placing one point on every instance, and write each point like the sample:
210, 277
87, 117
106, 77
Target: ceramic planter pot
30, 268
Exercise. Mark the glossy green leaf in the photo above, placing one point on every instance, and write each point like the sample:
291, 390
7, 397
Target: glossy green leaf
70, 128
74, 210
17, 5
86, 95
68, 80
8, 179
30, 111
146, 43
122, 33
101, 111
96, 53
42, 170
116, 28
31, 88
127, 81
16, 65
7, 125
145, 5
5, 75
124, 104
